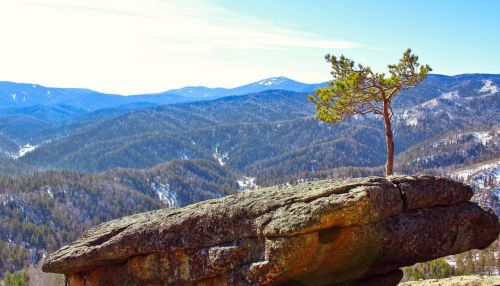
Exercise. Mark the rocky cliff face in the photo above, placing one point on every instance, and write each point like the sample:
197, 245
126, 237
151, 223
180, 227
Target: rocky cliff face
343, 232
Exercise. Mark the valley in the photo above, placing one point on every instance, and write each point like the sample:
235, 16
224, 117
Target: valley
68, 164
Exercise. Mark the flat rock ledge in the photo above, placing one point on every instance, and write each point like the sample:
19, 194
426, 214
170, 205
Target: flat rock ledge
331, 232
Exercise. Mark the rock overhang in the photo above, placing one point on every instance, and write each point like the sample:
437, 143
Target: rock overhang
329, 231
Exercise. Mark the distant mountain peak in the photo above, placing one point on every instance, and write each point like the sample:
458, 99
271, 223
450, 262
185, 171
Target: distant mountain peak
273, 81
279, 82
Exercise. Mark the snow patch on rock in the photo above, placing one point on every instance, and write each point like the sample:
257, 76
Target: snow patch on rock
24, 150
488, 87
165, 194
430, 103
49, 192
410, 117
270, 81
450, 95
483, 137
246, 183
412, 122
220, 157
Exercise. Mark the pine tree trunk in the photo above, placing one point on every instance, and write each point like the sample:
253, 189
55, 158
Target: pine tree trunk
389, 140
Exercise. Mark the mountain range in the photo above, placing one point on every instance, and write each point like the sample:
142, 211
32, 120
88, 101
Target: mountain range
256, 134
78, 100
29, 112
279, 83
263, 132
91, 157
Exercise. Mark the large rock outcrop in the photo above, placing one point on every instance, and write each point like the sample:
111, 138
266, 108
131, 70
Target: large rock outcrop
343, 232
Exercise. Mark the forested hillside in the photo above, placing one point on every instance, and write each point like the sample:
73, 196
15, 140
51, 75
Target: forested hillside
44, 211
269, 132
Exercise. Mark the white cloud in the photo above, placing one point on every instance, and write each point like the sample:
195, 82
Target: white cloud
129, 46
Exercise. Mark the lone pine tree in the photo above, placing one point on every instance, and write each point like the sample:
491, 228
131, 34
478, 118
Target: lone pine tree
356, 89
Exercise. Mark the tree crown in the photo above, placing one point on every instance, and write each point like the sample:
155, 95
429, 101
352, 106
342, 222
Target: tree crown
356, 89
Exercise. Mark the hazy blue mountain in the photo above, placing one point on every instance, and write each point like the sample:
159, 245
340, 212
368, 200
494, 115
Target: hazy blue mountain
277, 83
27, 95
432, 85
45, 113
15, 95
35, 124
31, 113
20, 128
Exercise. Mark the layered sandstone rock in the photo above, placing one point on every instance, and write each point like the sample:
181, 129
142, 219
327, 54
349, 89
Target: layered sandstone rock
343, 232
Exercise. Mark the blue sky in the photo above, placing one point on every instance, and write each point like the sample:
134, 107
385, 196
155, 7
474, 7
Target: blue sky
136, 46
